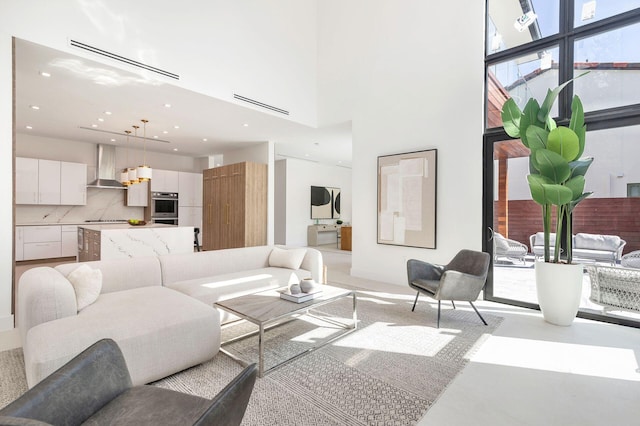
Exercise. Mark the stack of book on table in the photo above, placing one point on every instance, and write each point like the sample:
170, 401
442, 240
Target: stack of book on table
300, 297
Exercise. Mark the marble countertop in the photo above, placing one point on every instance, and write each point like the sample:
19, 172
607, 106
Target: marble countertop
117, 226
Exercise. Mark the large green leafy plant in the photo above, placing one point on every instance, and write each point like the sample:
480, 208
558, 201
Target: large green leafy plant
556, 168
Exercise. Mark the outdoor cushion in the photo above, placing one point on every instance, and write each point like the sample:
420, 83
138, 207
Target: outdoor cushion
597, 242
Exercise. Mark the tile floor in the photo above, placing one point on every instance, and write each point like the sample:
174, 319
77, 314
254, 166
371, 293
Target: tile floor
527, 372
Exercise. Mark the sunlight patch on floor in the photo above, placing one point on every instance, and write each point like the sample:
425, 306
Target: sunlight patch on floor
588, 360
418, 339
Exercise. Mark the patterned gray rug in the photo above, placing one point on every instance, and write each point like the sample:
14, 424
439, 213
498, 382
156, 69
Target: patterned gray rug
388, 372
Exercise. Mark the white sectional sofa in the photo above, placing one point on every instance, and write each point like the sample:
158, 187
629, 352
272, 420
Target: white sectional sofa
158, 309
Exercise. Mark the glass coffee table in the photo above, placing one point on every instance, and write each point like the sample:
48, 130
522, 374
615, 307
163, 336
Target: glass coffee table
267, 310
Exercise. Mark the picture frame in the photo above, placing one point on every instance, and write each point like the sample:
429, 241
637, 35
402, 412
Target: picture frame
325, 202
407, 185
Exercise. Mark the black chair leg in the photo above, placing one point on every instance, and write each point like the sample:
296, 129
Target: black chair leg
454, 305
415, 301
474, 308
438, 324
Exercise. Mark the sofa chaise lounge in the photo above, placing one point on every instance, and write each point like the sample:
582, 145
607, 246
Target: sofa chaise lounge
158, 309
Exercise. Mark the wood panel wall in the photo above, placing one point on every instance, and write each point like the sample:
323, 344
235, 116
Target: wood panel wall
610, 216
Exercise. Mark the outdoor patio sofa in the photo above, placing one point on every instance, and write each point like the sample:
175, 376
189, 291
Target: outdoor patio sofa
596, 247
615, 287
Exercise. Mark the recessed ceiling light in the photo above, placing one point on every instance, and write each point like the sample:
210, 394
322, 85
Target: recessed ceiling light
165, 131
245, 125
34, 107
29, 127
94, 125
204, 140
306, 155
167, 105
155, 136
175, 149
45, 74
113, 140
107, 112
176, 127
100, 119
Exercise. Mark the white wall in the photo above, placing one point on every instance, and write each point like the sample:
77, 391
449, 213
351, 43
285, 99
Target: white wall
411, 81
6, 175
301, 175
261, 50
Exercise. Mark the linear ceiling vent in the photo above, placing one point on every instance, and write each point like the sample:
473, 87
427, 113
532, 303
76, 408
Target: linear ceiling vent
119, 58
260, 104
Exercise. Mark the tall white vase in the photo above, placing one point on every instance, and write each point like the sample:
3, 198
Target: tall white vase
559, 288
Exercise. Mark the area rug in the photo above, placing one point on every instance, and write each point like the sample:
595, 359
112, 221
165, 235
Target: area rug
389, 371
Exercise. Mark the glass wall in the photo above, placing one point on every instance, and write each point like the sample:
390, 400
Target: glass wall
564, 39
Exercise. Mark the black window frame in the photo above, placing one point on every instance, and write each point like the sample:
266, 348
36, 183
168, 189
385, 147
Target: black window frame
622, 116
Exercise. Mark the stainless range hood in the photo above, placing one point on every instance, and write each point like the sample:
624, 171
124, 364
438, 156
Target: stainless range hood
106, 169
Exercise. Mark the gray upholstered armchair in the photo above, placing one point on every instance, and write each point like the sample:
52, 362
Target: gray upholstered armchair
461, 279
95, 388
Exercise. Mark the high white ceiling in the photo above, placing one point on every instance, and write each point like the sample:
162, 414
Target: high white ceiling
76, 97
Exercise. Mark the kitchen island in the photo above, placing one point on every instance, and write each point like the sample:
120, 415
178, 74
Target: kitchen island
117, 241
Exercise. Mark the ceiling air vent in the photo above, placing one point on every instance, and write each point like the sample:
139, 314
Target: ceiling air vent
260, 104
119, 58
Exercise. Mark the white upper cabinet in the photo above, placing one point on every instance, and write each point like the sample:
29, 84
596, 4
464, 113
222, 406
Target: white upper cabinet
190, 189
73, 184
49, 182
164, 181
26, 180
137, 195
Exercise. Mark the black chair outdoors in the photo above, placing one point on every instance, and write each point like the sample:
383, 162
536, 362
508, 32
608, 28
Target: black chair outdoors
461, 279
95, 388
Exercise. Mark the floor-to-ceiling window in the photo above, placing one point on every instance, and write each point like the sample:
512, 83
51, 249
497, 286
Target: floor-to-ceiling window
535, 45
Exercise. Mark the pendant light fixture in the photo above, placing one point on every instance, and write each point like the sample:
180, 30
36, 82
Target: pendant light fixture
132, 171
124, 175
144, 171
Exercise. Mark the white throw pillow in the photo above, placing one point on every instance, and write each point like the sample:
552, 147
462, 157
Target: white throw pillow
291, 258
87, 284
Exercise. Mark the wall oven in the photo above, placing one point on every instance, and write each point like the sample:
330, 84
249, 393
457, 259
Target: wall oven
164, 206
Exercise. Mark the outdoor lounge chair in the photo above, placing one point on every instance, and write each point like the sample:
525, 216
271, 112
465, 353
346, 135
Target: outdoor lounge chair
505, 247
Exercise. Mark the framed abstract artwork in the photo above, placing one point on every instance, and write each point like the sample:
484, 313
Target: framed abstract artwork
407, 199
325, 202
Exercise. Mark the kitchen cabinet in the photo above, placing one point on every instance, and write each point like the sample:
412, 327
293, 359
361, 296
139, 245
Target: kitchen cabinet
19, 242
190, 189
50, 182
73, 184
137, 195
41, 242
190, 216
26, 180
90, 240
164, 181
234, 206
68, 240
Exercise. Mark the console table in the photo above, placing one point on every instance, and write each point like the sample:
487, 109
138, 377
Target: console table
314, 230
